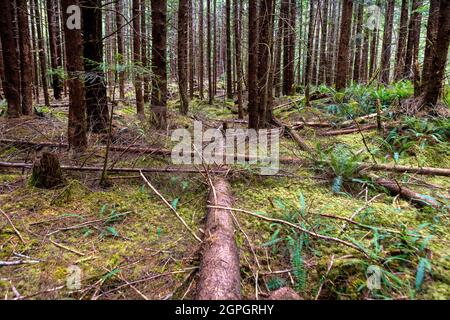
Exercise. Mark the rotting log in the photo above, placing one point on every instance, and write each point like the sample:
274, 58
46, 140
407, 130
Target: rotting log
219, 277
300, 141
406, 193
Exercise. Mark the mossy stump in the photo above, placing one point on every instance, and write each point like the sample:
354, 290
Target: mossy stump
47, 173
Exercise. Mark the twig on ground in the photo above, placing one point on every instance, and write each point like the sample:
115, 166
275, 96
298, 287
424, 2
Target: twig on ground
14, 228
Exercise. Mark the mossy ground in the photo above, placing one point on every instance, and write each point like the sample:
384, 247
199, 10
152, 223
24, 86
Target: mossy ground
144, 240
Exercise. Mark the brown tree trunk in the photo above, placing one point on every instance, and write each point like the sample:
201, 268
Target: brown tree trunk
228, 36
201, 51
159, 46
433, 76
120, 48
288, 46
42, 55
75, 69
183, 9
54, 61
95, 85
364, 58
219, 277
11, 80
323, 44
278, 48
144, 59
413, 36
26, 80
358, 43
309, 49
137, 58
343, 55
253, 33
387, 42
238, 51
401, 44
208, 52
191, 18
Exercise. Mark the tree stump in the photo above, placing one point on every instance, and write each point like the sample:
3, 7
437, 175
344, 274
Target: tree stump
47, 173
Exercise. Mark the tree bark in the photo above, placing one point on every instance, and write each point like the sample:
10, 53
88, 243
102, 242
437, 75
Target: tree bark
309, 49
208, 52
253, 38
358, 44
120, 48
238, 51
26, 80
95, 85
137, 58
288, 46
11, 80
144, 59
402, 37
54, 59
42, 55
201, 50
47, 173
75, 69
183, 10
219, 277
323, 68
343, 55
387, 42
228, 36
159, 46
191, 18
413, 39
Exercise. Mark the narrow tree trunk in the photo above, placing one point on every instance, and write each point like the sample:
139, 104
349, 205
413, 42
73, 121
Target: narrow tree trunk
201, 67
402, 37
95, 86
137, 59
120, 48
358, 43
309, 49
52, 31
144, 59
42, 55
191, 18
25, 58
288, 46
183, 9
228, 36
75, 69
365, 58
11, 80
387, 42
413, 35
343, 55
278, 48
208, 52
253, 38
237, 45
323, 44
159, 46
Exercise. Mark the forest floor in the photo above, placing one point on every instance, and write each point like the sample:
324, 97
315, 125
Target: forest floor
129, 245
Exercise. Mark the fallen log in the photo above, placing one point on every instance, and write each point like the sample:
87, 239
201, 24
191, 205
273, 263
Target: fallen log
346, 131
219, 277
300, 141
406, 169
406, 193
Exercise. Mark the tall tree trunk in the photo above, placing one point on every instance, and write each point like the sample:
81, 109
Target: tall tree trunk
387, 42
42, 55
183, 9
191, 18
264, 52
25, 58
343, 55
431, 40
433, 76
34, 55
413, 36
323, 44
120, 48
144, 59
208, 52
201, 51
401, 44
237, 45
315, 54
137, 59
253, 32
54, 61
309, 49
95, 86
214, 47
364, 58
278, 48
358, 43
11, 80
75, 69
159, 46
228, 35
289, 46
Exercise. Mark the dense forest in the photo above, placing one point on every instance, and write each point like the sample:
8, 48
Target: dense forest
224, 149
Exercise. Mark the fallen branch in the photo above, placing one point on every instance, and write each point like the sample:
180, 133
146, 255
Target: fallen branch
17, 262
170, 206
300, 141
12, 225
406, 169
293, 225
219, 277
